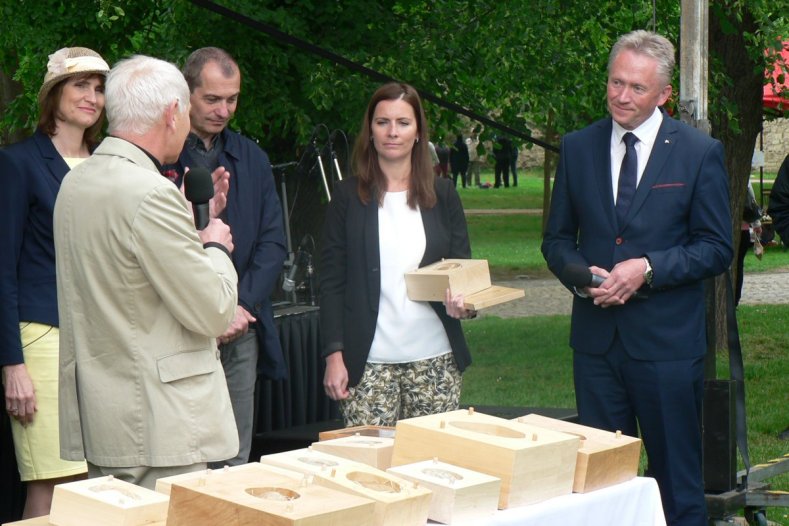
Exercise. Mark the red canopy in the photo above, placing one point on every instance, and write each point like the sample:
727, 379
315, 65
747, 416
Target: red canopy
772, 98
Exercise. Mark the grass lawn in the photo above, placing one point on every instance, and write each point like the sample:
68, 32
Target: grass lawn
527, 361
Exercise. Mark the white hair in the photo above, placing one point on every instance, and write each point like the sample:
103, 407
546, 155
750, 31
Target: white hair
138, 90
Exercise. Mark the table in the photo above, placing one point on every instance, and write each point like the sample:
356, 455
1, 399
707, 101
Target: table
300, 398
632, 503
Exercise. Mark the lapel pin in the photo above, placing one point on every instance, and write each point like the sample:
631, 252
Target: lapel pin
667, 141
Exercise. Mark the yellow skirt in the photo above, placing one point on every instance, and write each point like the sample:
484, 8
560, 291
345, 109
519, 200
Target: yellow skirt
37, 445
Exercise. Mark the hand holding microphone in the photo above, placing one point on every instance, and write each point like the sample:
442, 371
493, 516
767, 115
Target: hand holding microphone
625, 279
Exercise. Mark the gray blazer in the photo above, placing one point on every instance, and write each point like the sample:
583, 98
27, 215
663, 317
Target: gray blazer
141, 303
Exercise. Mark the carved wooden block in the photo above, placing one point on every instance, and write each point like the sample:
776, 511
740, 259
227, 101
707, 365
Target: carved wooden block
534, 464
468, 276
106, 500
307, 461
460, 496
261, 495
164, 484
373, 451
398, 502
365, 431
604, 458
36, 521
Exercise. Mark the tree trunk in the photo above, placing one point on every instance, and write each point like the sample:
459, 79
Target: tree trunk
548, 167
737, 128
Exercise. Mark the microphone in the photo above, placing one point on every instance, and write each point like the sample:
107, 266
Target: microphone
289, 283
580, 276
199, 189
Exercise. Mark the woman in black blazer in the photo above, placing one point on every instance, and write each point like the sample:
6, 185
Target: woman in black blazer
71, 108
388, 357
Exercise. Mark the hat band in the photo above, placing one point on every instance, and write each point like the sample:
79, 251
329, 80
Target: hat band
87, 63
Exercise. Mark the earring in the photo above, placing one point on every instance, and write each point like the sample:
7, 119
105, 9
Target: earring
417, 140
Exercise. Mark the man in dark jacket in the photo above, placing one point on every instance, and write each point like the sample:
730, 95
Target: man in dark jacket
255, 217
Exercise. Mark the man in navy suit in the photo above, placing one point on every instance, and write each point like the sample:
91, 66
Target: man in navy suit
254, 214
639, 336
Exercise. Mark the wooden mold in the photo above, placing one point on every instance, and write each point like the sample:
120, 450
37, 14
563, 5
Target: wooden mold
604, 458
365, 431
534, 464
468, 276
261, 495
106, 500
307, 461
460, 496
164, 484
373, 451
398, 502
35, 521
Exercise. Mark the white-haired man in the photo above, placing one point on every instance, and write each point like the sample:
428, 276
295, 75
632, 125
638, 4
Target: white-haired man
142, 392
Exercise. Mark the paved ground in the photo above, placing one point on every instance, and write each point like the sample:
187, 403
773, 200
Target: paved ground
548, 296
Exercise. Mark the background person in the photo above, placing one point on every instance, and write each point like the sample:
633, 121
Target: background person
254, 214
71, 112
388, 357
142, 295
643, 201
458, 161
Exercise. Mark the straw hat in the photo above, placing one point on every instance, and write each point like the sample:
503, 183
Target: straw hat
68, 62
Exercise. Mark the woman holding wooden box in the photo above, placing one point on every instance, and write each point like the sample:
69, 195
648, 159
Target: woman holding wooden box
388, 357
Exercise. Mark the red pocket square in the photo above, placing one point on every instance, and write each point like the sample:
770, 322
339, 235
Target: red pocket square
668, 185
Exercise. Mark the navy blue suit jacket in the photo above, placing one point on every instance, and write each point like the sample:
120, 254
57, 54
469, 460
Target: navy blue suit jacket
350, 278
254, 214
680, 218
30, 175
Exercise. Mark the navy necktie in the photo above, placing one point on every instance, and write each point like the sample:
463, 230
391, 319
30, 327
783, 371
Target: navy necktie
627, 178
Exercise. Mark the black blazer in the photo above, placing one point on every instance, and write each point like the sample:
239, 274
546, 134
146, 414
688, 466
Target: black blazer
350, 271
30, 175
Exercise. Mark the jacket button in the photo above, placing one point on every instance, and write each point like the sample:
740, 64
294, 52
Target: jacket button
619, 241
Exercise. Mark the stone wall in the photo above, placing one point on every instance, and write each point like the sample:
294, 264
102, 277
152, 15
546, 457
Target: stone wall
775, 143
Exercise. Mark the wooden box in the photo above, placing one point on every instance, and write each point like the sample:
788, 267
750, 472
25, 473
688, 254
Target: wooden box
604, 458
261, 495
164, 484
106, 500
307, 461
534, 464
373, 451
398, 502
40, 521
365, 431
460, 496
468, 276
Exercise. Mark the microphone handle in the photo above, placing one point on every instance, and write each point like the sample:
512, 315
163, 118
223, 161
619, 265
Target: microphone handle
200, 211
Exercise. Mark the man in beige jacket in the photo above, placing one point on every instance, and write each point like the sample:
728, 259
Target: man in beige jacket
142, 295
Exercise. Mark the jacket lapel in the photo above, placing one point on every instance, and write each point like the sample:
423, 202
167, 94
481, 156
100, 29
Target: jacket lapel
602, 170
372, 252
55, 164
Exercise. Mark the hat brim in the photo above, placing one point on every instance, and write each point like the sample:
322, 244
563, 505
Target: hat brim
47, 86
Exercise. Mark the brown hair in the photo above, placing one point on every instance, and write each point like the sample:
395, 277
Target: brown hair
50, 104
193, 67
372, 183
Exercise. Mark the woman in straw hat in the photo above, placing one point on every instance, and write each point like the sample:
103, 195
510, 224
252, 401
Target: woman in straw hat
71, 106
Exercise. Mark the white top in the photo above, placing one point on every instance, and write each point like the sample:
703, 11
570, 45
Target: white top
406, 330
646, 134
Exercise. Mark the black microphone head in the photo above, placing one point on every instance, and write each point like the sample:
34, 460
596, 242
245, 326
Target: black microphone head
576, 275
198, 185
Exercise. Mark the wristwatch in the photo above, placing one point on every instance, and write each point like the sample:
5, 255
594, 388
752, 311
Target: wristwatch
648, 272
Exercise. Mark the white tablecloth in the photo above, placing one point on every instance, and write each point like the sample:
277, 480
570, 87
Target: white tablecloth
632, 503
